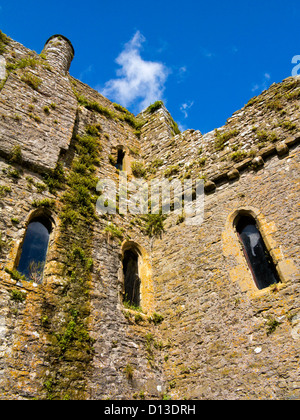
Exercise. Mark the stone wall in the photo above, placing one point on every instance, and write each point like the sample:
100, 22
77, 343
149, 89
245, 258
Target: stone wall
205, 331
266, 126
59, 53
218, 325
37, 109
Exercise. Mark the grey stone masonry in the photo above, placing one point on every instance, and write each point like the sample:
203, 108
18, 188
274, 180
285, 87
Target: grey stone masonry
38, 107
59, 52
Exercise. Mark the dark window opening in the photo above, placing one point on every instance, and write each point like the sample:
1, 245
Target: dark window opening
131, 278
120, 160
34, 249
256, 253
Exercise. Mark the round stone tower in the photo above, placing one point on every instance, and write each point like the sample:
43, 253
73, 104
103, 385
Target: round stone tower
59, 52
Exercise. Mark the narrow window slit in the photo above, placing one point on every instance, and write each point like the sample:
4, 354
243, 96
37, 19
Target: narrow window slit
132, 280
258, 258
120, 159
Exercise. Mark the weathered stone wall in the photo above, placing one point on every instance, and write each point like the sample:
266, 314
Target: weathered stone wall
72, 337
37, 110
59, 53
22, 340
263, 128
217, 326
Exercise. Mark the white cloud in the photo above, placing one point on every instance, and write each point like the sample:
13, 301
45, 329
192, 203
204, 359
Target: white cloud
86, 72
182, 127
263, 85
139, 82
182, 74
206, 53
185, 107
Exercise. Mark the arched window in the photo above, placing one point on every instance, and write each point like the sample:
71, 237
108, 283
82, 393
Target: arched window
120, 159
135, 278
34, 249
132, 282
259, 260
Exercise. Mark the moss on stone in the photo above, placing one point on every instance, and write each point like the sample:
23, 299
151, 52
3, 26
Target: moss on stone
71, 341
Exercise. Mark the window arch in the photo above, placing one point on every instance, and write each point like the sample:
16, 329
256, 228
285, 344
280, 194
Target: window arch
136, 277
34, 249
132, 281
258, 258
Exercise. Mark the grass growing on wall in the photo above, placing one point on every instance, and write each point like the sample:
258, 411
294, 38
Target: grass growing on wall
4, 40
123, 115
71, 342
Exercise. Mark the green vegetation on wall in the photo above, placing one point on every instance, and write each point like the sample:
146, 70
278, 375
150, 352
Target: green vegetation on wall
71, 342
4, 40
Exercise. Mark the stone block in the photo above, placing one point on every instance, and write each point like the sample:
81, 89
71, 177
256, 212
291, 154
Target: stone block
282, 149
234, 174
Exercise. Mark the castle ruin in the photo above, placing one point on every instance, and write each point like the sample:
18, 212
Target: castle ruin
112, 306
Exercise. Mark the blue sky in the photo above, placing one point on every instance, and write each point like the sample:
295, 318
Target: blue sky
205, 59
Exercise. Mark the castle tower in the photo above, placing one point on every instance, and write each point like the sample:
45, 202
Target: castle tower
59, 52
